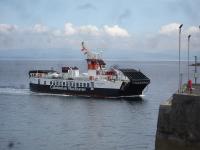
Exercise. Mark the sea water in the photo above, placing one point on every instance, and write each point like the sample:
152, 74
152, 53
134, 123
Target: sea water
33, 121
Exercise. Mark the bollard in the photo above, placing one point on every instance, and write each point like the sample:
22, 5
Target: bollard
190, 86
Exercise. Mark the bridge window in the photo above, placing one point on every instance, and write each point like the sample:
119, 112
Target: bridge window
63, 83
92, 84
50, 82
77, 84
84, 84
88, 85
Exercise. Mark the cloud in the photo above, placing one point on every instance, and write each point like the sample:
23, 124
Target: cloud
169, 29
108, 38
69, 29
192, 30
57, 32
86, 6
166, 39
91, 30
5, 28
40, 36
39, 28
115, 31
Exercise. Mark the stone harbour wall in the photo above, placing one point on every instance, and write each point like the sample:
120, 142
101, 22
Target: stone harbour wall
178, 125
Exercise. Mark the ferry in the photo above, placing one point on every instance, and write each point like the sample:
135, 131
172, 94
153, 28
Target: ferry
98, 81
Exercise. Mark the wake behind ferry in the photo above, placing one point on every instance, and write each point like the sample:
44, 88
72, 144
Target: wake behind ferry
99, 81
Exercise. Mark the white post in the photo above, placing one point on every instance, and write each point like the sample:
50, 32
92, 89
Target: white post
179, 68
188, 56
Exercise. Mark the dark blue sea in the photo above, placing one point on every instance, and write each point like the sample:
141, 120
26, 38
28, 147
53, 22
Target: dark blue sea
32, 121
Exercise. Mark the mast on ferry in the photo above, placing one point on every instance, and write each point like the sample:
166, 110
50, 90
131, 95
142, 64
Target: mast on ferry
94, 62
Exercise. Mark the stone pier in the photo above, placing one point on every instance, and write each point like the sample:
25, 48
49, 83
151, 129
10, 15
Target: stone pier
178, 125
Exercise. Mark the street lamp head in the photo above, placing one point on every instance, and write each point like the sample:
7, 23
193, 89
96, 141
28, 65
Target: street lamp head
180, 26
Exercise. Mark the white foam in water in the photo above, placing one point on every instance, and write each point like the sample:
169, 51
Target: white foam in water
142, 95
34, 93
14, 91
20, 91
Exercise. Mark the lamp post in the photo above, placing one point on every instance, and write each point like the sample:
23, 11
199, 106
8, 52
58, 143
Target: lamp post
195, 70
188, 56
179, 64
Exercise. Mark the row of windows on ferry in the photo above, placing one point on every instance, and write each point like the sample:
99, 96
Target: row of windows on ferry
71, 84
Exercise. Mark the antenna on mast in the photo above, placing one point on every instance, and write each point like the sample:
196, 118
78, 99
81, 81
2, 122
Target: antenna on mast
84, 50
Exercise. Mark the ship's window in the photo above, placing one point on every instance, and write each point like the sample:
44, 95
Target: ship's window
77, 84
84, 84
50, 82
56, 83
66, 83
88, 85
80, 84
45, 82
53, 82
92, 84
70, 83
63, 83
60, 83
73, 84
38, 81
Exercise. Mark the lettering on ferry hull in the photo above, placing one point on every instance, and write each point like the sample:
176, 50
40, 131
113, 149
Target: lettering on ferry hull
67, 88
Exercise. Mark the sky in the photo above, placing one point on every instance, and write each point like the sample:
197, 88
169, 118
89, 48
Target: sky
122, 29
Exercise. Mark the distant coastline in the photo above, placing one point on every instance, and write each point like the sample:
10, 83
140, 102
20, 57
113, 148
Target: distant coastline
198, 64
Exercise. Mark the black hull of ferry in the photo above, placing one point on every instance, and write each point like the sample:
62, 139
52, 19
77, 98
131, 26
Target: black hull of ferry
129, 90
